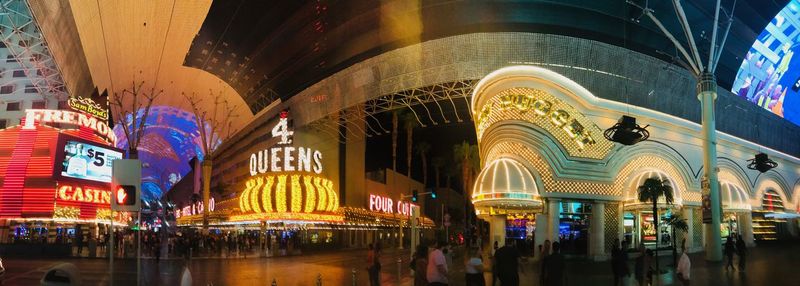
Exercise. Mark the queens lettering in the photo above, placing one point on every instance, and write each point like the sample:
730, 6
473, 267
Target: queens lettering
285, 159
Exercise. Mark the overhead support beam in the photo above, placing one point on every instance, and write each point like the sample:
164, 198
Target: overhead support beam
688, 31
711, 54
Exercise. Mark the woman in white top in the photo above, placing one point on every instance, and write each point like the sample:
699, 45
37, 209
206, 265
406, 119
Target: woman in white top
474, 270
684, 266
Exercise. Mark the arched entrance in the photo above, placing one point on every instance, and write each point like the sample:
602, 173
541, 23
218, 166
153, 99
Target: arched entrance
638, 217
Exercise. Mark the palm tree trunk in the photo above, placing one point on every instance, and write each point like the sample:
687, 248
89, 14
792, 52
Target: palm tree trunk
437, 177
658, 230
394, 141
409, 154
424, 170
674, 248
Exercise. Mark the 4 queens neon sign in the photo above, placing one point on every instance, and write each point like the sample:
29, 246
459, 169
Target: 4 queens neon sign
286, 158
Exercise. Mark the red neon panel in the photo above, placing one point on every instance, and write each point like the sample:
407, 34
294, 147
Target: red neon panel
14, 182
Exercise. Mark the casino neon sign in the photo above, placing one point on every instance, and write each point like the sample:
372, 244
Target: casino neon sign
73, 193
387, 205
286, 158
68, 117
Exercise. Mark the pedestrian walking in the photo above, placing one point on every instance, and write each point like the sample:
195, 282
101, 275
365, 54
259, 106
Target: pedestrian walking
474, 270
437, 266
553, 268
374, 265
741, 251
730, 248
507, 259
619, 262
684, 266
642, 269
420, 265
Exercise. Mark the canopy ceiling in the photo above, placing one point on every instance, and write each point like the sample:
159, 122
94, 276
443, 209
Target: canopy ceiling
275, 49
146, 41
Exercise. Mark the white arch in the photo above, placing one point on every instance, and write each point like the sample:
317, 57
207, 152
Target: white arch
630, 196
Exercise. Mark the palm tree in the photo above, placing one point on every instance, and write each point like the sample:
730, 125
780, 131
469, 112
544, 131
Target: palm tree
650, 191
679, 223
409, 122
466, 156
438, 163
422, 150
394, 141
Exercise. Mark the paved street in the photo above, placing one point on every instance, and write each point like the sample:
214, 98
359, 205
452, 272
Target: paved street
767, 264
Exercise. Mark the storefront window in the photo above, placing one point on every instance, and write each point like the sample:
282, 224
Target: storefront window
573, 229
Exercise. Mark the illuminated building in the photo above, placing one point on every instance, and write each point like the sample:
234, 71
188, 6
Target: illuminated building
43, 193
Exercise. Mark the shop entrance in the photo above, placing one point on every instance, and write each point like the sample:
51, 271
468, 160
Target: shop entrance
573, 227
639, 229
522, 229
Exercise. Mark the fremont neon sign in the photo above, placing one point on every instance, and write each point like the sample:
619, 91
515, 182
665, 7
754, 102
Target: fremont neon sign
387, 205
68, 117
286, 158
83, 194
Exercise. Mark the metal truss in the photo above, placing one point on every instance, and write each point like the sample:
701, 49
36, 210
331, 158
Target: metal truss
23, 38
447, 93
429, 104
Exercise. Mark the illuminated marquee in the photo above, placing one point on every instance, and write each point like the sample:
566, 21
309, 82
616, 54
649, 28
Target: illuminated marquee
387, 205
68, 117
571, 128
292, 196
286, 158
85, 195
89, 106
195, 209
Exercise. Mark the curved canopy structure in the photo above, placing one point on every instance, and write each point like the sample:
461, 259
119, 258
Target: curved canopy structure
505, 183
769, 75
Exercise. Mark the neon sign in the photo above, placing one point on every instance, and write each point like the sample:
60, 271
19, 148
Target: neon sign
89, 106
387, 205
68, 117
286, 158
559, 118
194, 209
84, 195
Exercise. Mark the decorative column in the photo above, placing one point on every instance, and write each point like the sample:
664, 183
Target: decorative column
688, 214
497, 230
597, 228
707, 94
746, 228
206, 191
540, 233
553, 211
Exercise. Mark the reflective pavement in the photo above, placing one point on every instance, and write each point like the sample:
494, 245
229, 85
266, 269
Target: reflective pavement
767, 265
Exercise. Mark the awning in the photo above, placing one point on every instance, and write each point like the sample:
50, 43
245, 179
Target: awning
782, 215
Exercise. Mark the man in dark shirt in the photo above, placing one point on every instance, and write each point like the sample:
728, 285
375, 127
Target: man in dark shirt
507, 259
553, 267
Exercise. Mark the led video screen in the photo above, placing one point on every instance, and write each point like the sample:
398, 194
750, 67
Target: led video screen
85, 160
770, 73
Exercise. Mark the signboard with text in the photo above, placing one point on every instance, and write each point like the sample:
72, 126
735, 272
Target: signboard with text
84, 160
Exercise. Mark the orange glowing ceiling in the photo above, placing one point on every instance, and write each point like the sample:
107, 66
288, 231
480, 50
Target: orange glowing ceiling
147, 41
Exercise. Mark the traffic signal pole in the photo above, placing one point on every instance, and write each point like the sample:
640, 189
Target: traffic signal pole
111, 251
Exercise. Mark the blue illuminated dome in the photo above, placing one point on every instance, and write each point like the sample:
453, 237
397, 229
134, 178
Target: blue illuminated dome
170, 141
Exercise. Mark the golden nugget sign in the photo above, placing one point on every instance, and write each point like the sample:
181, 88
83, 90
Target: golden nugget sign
68, 117
84, 195
89, 106
286, 158
538, 107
